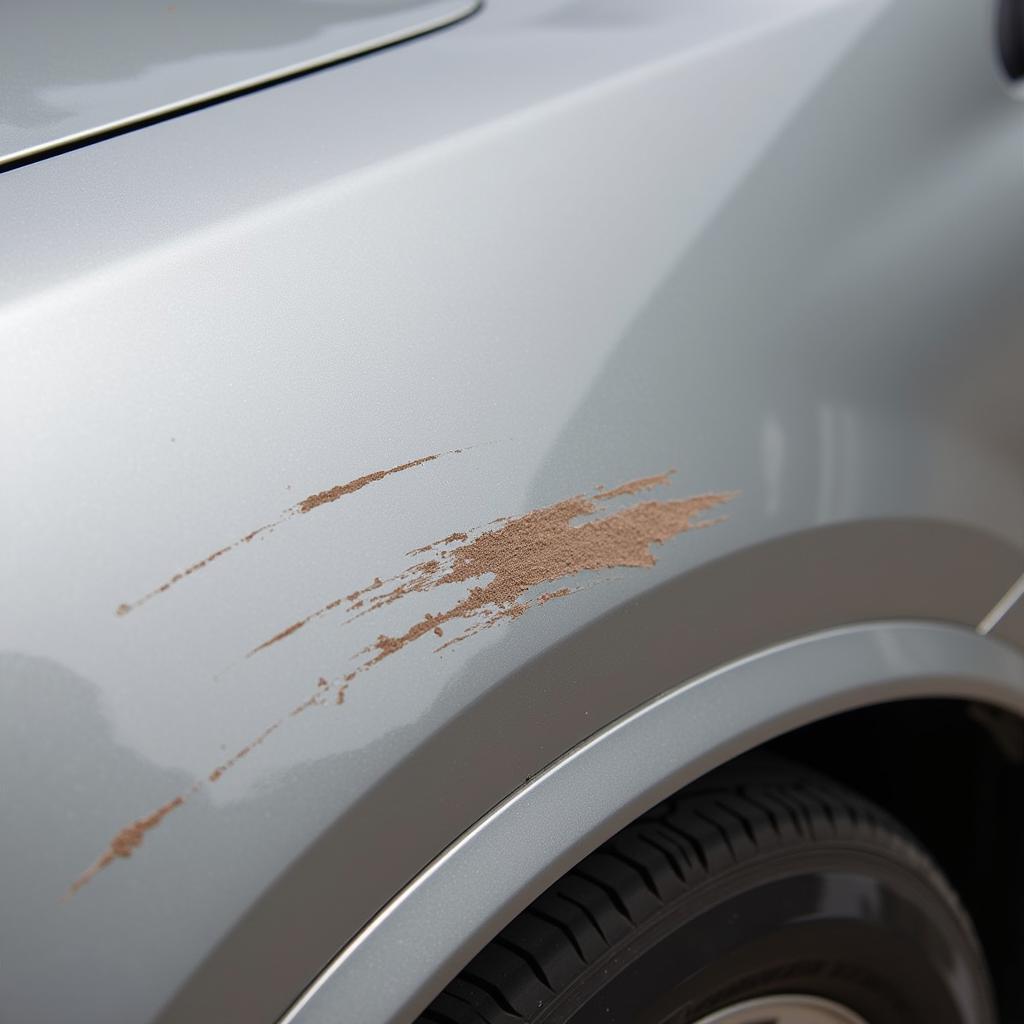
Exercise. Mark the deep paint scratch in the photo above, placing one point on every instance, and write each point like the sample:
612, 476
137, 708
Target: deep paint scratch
541, 547
307, 504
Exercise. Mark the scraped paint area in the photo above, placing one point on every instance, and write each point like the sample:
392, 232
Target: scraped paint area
540, 548
494, 574
301, 508
339, 491
130, 838
126, 842
500, 565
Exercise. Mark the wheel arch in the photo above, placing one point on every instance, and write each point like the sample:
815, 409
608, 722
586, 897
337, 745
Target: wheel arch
464, 897
506, 718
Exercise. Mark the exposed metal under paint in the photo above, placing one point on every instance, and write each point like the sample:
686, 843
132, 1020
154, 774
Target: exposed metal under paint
518, 555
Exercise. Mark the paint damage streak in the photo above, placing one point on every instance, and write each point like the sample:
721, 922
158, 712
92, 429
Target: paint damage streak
500, 565
541, 547
130, 838
126, 842
230, 763
645, 483
303, 507
334, 493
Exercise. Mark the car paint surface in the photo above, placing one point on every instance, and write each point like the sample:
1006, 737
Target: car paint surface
72, 70
772, 246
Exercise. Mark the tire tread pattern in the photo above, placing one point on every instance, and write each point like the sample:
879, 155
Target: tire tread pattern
754, 805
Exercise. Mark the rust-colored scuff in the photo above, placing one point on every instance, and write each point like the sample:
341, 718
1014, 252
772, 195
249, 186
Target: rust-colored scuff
452, 538
307, 504
355, 603
219, 771
501, 565
544, 546
288, 631
645, 483
130, 838
126, 842
512, 612
124, 609
316, 700
339, 491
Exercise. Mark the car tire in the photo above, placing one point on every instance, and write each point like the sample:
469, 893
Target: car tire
762, 893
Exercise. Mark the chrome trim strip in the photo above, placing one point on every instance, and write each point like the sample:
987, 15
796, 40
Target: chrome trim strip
1001, 607
200, 100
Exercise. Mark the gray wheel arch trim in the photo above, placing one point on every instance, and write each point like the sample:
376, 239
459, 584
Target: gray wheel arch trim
426, 934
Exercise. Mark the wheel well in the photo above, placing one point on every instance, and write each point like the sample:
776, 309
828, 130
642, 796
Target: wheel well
953, 772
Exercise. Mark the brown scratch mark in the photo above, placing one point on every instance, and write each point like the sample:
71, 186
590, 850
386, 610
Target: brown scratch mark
130, 838
646, 483
286, 632
450, 539
125, 843
514, 612
316, 700
334, 493
218, 772
124, 609
541, 547
307, 504
354, 600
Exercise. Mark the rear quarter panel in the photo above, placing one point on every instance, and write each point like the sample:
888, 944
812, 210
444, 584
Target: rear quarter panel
775, 248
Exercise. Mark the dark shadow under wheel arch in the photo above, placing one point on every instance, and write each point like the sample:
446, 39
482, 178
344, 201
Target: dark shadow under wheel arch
627, 904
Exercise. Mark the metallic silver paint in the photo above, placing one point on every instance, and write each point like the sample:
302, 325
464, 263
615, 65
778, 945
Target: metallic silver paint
75, 70
771, 244
404, 957
1011, 626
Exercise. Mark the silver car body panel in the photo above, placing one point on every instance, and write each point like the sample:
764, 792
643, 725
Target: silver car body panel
73, 70
775, 246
